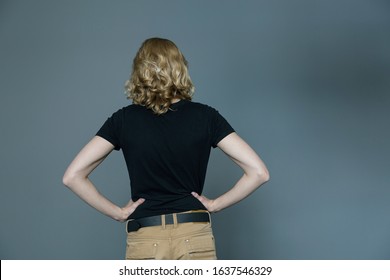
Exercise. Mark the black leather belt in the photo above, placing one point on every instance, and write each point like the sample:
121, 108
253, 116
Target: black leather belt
197, 217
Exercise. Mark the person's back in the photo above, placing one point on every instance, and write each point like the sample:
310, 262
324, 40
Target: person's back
166, 155
166, 140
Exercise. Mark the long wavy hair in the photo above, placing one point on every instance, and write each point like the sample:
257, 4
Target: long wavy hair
159, 75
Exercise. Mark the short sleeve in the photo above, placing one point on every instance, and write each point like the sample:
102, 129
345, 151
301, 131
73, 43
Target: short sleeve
219, 128
111, 130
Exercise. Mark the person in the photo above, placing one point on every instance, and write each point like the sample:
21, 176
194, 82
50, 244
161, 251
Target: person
166, 139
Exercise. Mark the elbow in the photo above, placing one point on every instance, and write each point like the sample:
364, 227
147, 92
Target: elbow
68, 179
262, 175
73, 177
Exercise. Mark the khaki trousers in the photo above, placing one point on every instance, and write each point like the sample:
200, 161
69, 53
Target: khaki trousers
185, 241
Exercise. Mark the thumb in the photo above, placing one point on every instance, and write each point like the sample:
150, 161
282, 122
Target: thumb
195, 194
201, 198
129, 203
139, 201
136, 203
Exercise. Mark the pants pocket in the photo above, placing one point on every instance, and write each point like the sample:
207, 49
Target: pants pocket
141, 249
201, 247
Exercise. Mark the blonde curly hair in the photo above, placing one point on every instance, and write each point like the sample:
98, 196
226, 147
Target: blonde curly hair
159, 76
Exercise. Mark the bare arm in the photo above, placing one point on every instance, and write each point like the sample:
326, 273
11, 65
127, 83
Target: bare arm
76, 178
255, 173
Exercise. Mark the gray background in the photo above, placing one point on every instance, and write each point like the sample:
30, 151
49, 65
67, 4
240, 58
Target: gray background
306, 83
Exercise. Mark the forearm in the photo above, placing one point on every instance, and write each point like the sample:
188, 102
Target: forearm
246, 185
255, 173
85, 189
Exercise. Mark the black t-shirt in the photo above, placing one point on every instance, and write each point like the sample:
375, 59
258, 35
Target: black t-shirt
166, 155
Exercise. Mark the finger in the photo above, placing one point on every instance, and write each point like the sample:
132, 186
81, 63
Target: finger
138, 202
129, 203
201, 198
195, 194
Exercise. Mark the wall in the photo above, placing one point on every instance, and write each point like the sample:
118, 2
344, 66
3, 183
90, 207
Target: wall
306, 83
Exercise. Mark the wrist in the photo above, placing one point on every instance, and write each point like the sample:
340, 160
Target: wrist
120, 215
213, 206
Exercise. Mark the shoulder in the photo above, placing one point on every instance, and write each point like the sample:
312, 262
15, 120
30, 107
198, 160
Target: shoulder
130, 109
202, 107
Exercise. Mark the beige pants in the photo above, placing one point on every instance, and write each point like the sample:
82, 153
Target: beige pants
186, 241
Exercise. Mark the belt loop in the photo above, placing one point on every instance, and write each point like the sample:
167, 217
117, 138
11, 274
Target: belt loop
209, 217
163, 221
127, 225
174, 216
